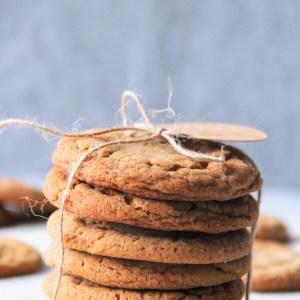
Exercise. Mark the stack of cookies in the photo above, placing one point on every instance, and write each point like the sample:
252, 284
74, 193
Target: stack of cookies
145, 222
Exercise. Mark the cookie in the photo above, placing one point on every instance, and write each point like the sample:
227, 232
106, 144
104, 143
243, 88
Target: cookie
271, 228
17, 258
276, 267
154, 169
123, 273
111, 205
14, 194
77, 289
124, 241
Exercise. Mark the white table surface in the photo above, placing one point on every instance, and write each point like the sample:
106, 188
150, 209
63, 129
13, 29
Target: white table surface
285, 204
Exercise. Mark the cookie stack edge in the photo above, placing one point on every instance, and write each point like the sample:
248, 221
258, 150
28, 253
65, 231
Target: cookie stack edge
144, 222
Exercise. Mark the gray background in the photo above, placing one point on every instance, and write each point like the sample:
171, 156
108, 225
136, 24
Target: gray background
229, 61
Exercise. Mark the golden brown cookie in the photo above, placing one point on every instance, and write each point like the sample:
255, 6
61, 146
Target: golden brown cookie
17, 258
271, 228
276, 267
123, 273
14, 194
76, 288
111, 205
154, 169
124, 241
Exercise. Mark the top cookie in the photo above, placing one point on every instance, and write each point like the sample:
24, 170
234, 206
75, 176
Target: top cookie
154, 169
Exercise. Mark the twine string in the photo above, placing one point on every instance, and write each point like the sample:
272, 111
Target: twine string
186, 152
167, 135
130, 95
253, 233
49, 130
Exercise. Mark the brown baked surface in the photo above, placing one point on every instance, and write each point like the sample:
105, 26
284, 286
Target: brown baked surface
111, 205
154, 169
77, 289
124, 241
123, 273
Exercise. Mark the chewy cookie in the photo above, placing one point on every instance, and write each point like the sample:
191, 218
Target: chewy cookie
123, 241
271, 228
17, 258
77, 289
123, 273
111, 205
14, 194
276, 267
154, 169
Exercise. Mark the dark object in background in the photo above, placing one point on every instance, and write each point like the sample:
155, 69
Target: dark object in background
5, 217
18, 201
272, 228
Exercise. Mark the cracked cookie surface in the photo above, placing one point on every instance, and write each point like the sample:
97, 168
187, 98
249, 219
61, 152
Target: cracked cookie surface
124, 241
77, 289
123, 273
154, 169
106, 204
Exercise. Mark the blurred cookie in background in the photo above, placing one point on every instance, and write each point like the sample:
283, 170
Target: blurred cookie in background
19, 200
276, 267
17, 258
272, 228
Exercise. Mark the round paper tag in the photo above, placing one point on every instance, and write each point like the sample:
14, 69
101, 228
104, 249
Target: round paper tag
216, 132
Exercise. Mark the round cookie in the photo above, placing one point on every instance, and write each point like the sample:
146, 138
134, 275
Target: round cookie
77, 289
123, 241
271, 228
14, 194
17, 258
111, 205
154, 169
276, 267
123, 273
